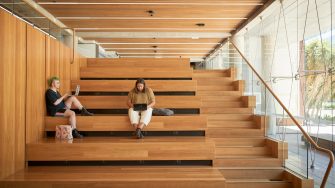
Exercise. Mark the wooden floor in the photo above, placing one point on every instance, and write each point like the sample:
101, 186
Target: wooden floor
116, 177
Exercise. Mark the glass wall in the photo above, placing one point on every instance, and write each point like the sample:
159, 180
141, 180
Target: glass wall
291, 47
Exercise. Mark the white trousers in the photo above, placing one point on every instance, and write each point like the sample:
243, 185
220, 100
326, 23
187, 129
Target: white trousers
137, 117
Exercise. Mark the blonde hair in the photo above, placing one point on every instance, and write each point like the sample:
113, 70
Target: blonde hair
52, 79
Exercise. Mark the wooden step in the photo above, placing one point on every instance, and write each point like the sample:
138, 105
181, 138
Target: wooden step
251, 142
226, 110
259, 183
116, 177
216, 88
231, 124
222, 104
107, 72
119, 102
214, 81
127, 85
226, 151
219, 93
210, 74
139, 62
233, 132
121, 123
228, 117
248, 162
221, 98
253, 173
121, 149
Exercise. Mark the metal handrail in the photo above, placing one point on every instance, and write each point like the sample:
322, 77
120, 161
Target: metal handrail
330, 153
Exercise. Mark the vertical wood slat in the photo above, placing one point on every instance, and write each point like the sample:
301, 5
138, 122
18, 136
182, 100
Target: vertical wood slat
35, 85
65, 69
12, 93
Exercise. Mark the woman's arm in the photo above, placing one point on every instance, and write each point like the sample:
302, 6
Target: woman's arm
61, 99
130, 105
152, 104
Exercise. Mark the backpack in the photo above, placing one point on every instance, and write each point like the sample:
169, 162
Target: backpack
162, 112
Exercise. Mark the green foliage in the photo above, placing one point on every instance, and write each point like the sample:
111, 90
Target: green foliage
318, 85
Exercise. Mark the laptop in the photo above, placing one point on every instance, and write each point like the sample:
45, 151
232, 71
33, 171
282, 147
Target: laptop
77, 90
140, 107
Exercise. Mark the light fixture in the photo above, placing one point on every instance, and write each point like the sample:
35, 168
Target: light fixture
200, 24
151, 12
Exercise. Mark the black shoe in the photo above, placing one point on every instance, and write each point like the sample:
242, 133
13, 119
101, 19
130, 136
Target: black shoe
138, 133
142, 136
84, 112
76, 134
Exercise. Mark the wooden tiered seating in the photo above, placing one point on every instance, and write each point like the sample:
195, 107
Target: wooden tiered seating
119, 102
127, 85
139, 62
122, 149
126, 73
132, 69
234, 138
126, 148
121, 123
116, 177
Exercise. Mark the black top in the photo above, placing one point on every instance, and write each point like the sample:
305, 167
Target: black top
50, 97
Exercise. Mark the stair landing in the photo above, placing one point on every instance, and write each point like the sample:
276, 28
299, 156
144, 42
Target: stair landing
116, 177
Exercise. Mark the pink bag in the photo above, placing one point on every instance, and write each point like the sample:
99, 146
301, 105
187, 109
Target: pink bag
64, 132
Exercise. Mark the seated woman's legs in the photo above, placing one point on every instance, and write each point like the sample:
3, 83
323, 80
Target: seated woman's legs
76, 103
73, 101
134, 117
145, 118
72, 120
144, 121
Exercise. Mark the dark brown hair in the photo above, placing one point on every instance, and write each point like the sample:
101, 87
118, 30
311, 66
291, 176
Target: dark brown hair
140, 81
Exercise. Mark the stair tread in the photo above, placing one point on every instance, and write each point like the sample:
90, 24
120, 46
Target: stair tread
148, 139
119, 173
244, 156
255, 180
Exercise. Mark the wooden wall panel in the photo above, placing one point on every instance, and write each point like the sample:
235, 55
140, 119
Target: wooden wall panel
12, 94
54, 57
35, 85
65, 69
20, 93
27, 59
47, 60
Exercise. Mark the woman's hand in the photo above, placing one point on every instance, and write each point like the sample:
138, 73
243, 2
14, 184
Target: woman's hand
130, 105
66, 95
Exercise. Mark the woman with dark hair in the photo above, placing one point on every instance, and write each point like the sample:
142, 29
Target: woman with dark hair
140, 94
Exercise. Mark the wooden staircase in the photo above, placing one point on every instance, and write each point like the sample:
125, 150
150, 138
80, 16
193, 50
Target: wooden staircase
243, 154
231, 151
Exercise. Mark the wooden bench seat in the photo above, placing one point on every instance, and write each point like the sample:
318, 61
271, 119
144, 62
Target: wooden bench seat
121, 123
116, 177
139, 62
119, 102
121, 149
127, 85
108, 73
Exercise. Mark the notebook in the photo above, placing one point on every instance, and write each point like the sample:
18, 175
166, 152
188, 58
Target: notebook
77, 90
140, 107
